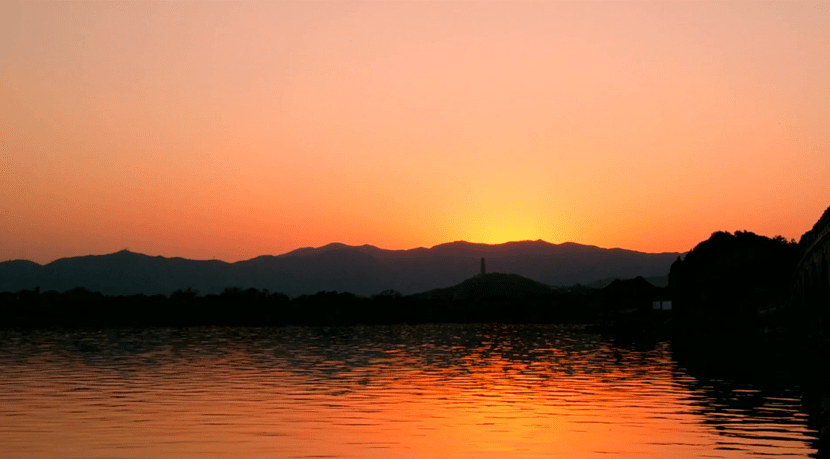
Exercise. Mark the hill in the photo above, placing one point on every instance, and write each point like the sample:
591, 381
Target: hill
363, 270
489, 286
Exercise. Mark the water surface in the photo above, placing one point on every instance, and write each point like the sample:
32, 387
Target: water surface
431, 391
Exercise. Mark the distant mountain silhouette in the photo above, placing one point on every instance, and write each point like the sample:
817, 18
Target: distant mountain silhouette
363, 270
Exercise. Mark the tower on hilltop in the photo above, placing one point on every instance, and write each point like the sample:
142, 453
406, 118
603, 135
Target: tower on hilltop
483, 270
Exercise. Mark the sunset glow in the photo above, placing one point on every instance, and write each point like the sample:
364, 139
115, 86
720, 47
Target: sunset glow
234, 129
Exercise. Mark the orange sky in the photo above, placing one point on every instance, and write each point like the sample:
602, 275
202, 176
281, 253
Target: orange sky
234, 129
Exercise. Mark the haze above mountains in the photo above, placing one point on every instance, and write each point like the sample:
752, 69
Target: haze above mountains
363, 270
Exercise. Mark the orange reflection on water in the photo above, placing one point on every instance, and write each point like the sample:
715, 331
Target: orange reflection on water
405, 392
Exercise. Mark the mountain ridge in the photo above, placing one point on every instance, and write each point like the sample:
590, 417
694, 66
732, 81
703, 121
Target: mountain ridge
364, 269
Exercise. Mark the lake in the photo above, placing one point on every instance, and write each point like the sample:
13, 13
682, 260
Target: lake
427, 391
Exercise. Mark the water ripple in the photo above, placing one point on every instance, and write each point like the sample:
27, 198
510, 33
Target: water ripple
397, 391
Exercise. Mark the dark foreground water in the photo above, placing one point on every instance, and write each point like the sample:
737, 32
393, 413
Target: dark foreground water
432, 391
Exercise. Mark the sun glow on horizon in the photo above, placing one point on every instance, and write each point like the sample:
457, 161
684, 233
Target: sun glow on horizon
502, 231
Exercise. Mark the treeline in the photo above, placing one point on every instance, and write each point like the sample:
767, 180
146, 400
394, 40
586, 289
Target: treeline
81, 308
736, 282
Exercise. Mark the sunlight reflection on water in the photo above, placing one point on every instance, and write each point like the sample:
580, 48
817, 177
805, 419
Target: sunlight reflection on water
431, 391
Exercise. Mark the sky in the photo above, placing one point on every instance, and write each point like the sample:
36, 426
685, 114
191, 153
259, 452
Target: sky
230, 130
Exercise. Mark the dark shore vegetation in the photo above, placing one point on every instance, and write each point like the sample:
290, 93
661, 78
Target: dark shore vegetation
736, 282
252, 307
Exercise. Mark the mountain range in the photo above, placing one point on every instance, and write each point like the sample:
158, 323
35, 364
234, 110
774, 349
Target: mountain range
363, 270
